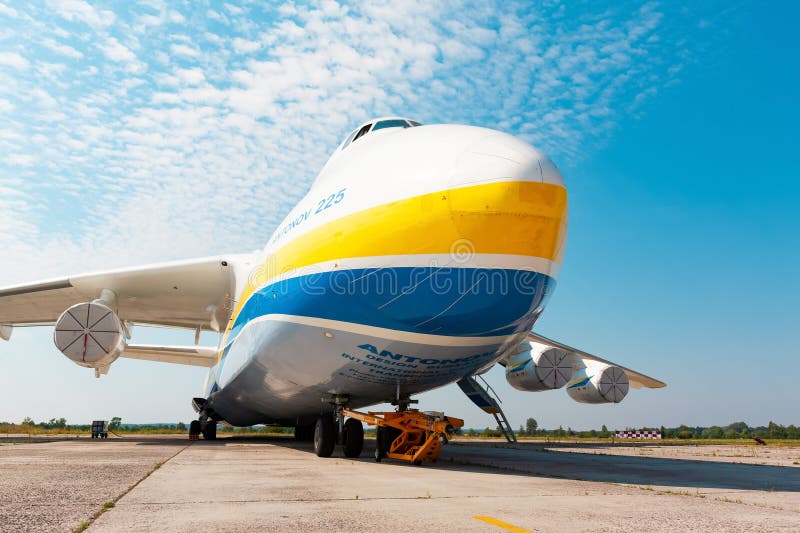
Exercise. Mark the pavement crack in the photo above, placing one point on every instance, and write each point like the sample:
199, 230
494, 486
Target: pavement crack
111, 503
321, 500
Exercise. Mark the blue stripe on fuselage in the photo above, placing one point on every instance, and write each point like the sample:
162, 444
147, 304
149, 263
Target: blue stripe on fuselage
431, 300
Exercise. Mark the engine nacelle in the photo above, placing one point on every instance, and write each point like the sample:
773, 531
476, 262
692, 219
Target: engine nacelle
598, 383
537, 367
90, 334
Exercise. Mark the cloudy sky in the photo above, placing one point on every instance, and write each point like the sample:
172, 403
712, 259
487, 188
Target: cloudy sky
132, 133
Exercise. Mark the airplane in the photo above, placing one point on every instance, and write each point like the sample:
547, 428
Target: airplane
421, 256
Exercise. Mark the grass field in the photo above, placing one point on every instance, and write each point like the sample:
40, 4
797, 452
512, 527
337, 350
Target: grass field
20, 429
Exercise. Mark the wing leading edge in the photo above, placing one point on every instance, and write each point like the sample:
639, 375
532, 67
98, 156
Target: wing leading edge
637, 380
193, 294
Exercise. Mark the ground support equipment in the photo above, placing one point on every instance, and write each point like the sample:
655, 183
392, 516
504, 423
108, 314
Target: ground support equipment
411, 435
100, 429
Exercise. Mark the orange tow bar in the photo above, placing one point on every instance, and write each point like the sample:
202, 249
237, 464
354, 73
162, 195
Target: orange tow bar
411, 436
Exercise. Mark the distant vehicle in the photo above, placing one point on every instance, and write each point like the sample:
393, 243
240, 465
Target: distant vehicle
421, 256
100, 429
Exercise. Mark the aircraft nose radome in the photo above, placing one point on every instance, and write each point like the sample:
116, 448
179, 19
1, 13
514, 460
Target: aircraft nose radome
499, 156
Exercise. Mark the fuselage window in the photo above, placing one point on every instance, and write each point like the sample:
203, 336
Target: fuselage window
390, 124
414, 123
363, 131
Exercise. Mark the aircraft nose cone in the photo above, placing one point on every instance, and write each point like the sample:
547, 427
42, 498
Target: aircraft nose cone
499, 156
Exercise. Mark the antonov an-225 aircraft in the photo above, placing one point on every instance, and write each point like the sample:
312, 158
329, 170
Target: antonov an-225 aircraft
421, 256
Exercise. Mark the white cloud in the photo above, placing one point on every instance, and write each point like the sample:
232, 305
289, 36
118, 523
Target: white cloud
5, 106
243, 46
14, 60
216, 15
62, 49
53, 71
116, 51
233, 10
10, 135
183, 50
78, 10
19, 160
151, 20
191, 76
8, 11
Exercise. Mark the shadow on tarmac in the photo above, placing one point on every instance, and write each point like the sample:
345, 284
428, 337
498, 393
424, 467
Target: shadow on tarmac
544, 460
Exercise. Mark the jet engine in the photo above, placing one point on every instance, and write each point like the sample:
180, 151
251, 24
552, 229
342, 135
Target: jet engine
537, 367
598, 383
90, 334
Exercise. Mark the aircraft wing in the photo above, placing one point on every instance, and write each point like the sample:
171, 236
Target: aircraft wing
636, 379
179, 355
193, 294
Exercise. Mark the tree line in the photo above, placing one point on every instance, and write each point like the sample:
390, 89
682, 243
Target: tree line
735, 430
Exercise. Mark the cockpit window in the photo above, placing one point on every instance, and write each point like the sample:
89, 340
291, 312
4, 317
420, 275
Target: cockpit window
381, 124
363, 131
349, 139
395, 123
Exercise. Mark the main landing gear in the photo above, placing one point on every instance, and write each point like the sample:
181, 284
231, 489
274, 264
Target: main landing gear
194, 430
205, 425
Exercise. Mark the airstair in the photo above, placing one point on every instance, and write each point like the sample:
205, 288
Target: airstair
487, 399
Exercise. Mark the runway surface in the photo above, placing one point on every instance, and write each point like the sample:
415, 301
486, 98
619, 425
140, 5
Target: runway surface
273, 484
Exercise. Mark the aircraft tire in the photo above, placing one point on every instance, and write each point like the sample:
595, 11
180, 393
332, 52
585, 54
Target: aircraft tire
194, 428
353, 438
324, 436
209, 430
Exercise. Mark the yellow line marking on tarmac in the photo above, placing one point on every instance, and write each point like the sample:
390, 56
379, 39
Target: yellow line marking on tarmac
502, 525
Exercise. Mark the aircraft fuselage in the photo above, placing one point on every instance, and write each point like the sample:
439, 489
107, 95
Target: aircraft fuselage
420, 255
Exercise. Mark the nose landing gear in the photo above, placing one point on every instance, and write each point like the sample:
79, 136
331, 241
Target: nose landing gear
332, 429
324, 436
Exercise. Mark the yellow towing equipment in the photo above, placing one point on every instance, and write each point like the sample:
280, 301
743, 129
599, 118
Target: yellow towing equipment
410, 435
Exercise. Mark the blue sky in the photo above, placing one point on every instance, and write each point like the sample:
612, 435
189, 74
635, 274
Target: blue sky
161, 131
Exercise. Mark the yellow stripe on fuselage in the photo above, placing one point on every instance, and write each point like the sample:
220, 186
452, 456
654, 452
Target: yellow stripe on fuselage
511, 217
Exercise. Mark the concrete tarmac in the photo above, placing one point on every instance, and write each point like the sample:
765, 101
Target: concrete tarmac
274, 484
